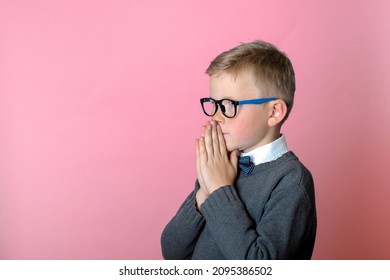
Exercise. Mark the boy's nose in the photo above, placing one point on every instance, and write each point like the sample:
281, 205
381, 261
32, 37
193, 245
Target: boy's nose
218, 117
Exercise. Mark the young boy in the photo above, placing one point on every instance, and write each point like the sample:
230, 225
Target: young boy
253, 198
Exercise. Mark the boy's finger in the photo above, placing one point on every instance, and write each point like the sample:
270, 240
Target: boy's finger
208, 142
203, 130
202, 150
197, 145
221, 139
198, 170
234, 159
215, 139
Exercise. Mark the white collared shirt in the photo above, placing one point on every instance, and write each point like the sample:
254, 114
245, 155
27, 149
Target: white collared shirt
268, 152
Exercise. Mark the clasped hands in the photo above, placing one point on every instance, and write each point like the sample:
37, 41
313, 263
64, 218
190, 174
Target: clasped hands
215, 166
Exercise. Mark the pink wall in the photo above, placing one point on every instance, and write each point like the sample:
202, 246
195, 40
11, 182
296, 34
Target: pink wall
97, 97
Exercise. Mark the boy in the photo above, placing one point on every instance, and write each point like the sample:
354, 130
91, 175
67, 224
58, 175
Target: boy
253, 198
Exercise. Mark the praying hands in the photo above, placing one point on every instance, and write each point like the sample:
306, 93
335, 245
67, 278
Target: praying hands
215, 167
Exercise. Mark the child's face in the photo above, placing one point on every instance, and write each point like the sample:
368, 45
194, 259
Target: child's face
249, 129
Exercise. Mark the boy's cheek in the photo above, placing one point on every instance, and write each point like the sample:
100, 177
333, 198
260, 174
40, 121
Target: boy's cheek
229, 144
232, 145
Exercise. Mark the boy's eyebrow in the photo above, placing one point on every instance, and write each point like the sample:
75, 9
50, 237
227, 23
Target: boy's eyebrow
225, 97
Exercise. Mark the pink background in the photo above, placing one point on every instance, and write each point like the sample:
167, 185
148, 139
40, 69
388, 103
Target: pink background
97, 98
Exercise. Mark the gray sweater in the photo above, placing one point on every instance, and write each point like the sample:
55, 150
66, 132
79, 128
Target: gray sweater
268, 214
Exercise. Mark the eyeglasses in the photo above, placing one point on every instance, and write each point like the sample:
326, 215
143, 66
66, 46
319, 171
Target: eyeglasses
228, 106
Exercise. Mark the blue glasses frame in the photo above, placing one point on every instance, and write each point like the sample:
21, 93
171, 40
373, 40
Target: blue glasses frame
235, 103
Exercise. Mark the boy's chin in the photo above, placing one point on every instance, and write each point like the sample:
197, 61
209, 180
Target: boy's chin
231, 149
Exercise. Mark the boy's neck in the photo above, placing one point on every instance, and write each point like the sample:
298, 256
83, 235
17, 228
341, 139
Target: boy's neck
271, 137
268, 152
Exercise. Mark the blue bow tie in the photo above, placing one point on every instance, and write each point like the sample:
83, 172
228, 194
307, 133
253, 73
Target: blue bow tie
245, 164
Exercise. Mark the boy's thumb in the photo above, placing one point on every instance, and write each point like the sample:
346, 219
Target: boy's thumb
234, 158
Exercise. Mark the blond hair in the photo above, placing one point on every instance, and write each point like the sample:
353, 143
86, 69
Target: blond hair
272, 69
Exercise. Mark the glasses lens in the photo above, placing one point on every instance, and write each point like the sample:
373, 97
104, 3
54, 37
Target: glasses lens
209, 107
228, 108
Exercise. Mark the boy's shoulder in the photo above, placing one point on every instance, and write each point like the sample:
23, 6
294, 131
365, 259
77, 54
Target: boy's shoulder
291, 161
294, 174
290, 166
287, 162
286, 171
285, 178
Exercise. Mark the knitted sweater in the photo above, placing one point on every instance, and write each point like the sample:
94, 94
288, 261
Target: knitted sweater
268, 214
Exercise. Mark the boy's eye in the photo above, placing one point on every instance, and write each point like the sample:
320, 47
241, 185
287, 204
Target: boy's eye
227, 103
228, 107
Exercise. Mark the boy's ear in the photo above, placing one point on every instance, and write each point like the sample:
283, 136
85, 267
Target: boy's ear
278, 112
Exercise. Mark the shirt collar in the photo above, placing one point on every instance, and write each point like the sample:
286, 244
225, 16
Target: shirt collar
268, 152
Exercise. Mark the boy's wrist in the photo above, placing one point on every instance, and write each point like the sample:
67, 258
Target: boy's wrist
200, 197
217, 186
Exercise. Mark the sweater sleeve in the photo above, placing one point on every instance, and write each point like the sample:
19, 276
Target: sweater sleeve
279, 234
179, 237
